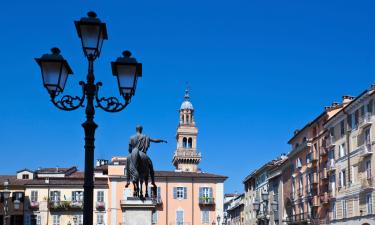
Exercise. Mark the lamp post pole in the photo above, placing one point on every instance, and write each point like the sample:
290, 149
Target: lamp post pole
55, 71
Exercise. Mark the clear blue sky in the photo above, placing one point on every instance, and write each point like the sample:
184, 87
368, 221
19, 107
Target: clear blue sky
257, 71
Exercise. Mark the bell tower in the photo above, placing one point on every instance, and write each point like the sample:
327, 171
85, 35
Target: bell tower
186, 157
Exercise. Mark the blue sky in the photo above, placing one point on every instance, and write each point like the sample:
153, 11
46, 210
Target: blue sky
257, 71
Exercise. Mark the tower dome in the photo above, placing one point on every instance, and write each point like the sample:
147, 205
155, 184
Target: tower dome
187, 104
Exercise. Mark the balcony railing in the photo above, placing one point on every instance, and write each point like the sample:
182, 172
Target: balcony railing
365, 120
366, 150
100, 206
367, 183
187, 153
34, 205
65, 205
331, 165
330, 142
302, 146
298, 218
158, 200
206, 201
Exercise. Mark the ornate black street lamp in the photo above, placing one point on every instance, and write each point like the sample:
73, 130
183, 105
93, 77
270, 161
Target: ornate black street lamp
55, 72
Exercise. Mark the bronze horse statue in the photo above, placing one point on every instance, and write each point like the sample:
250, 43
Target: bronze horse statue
139, 166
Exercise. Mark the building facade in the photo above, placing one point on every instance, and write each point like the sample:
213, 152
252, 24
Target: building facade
51, 196
234, 211
262, 187
350, 141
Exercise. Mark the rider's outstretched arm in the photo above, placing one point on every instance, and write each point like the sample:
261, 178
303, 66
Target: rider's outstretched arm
158, 140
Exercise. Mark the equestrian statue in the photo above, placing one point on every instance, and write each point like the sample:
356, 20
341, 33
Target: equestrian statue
139, 166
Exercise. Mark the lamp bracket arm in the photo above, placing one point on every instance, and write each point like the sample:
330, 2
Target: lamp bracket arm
68, 102
110, 104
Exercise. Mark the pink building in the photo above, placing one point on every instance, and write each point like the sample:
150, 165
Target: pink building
186, 196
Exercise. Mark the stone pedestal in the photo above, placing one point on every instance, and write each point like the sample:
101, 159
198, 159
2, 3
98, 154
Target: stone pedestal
138, 212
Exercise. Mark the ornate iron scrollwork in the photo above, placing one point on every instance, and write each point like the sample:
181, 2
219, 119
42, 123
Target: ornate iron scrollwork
111, 104
68, 102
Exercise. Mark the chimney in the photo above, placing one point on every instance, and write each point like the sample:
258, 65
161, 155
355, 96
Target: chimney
346, 99
335, 104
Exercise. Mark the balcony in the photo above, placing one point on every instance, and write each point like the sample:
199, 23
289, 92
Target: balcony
364, 121
34, 205
187, 153
65, 205
297, 219
158, 200
206, 201
100, 206
367, 183
366, 150
304, 145
330, 142
331, 165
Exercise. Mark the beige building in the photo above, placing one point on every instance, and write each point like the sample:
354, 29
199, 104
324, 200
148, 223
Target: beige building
52, 196
351, 162
263, 187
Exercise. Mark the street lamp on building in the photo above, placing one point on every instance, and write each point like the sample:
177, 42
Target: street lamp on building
55, 73
6, 195
261, 208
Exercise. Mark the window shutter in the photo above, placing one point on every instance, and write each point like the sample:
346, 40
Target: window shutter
185, 192
210, 193
158, 194
200, 192
175, 193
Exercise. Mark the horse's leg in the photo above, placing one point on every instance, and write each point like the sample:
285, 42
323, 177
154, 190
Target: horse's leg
146, 184
135, 186
140, 188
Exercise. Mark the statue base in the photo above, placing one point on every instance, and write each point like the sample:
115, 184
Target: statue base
137, 211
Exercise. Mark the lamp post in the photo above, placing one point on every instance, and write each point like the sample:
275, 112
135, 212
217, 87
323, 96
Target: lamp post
262, 212
55, 72
6, 195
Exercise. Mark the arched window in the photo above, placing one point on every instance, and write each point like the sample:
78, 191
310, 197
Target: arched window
184, 142
190, 143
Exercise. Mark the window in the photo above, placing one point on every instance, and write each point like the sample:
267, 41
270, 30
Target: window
190, 143
308, 158
154, 218
184, 142
342, 128
79, 220
25, 176
205, 194
56, 219
342, 178
179, 217
38, 220
334, 214
100, 196
342, 150
354, 174
205, 216
344, 209
77, 196
99, 218
299, 163
34, 196
368, 169
17, 196
369, 203
55, 196
292, 168
180, 193
367, 136
356, 119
